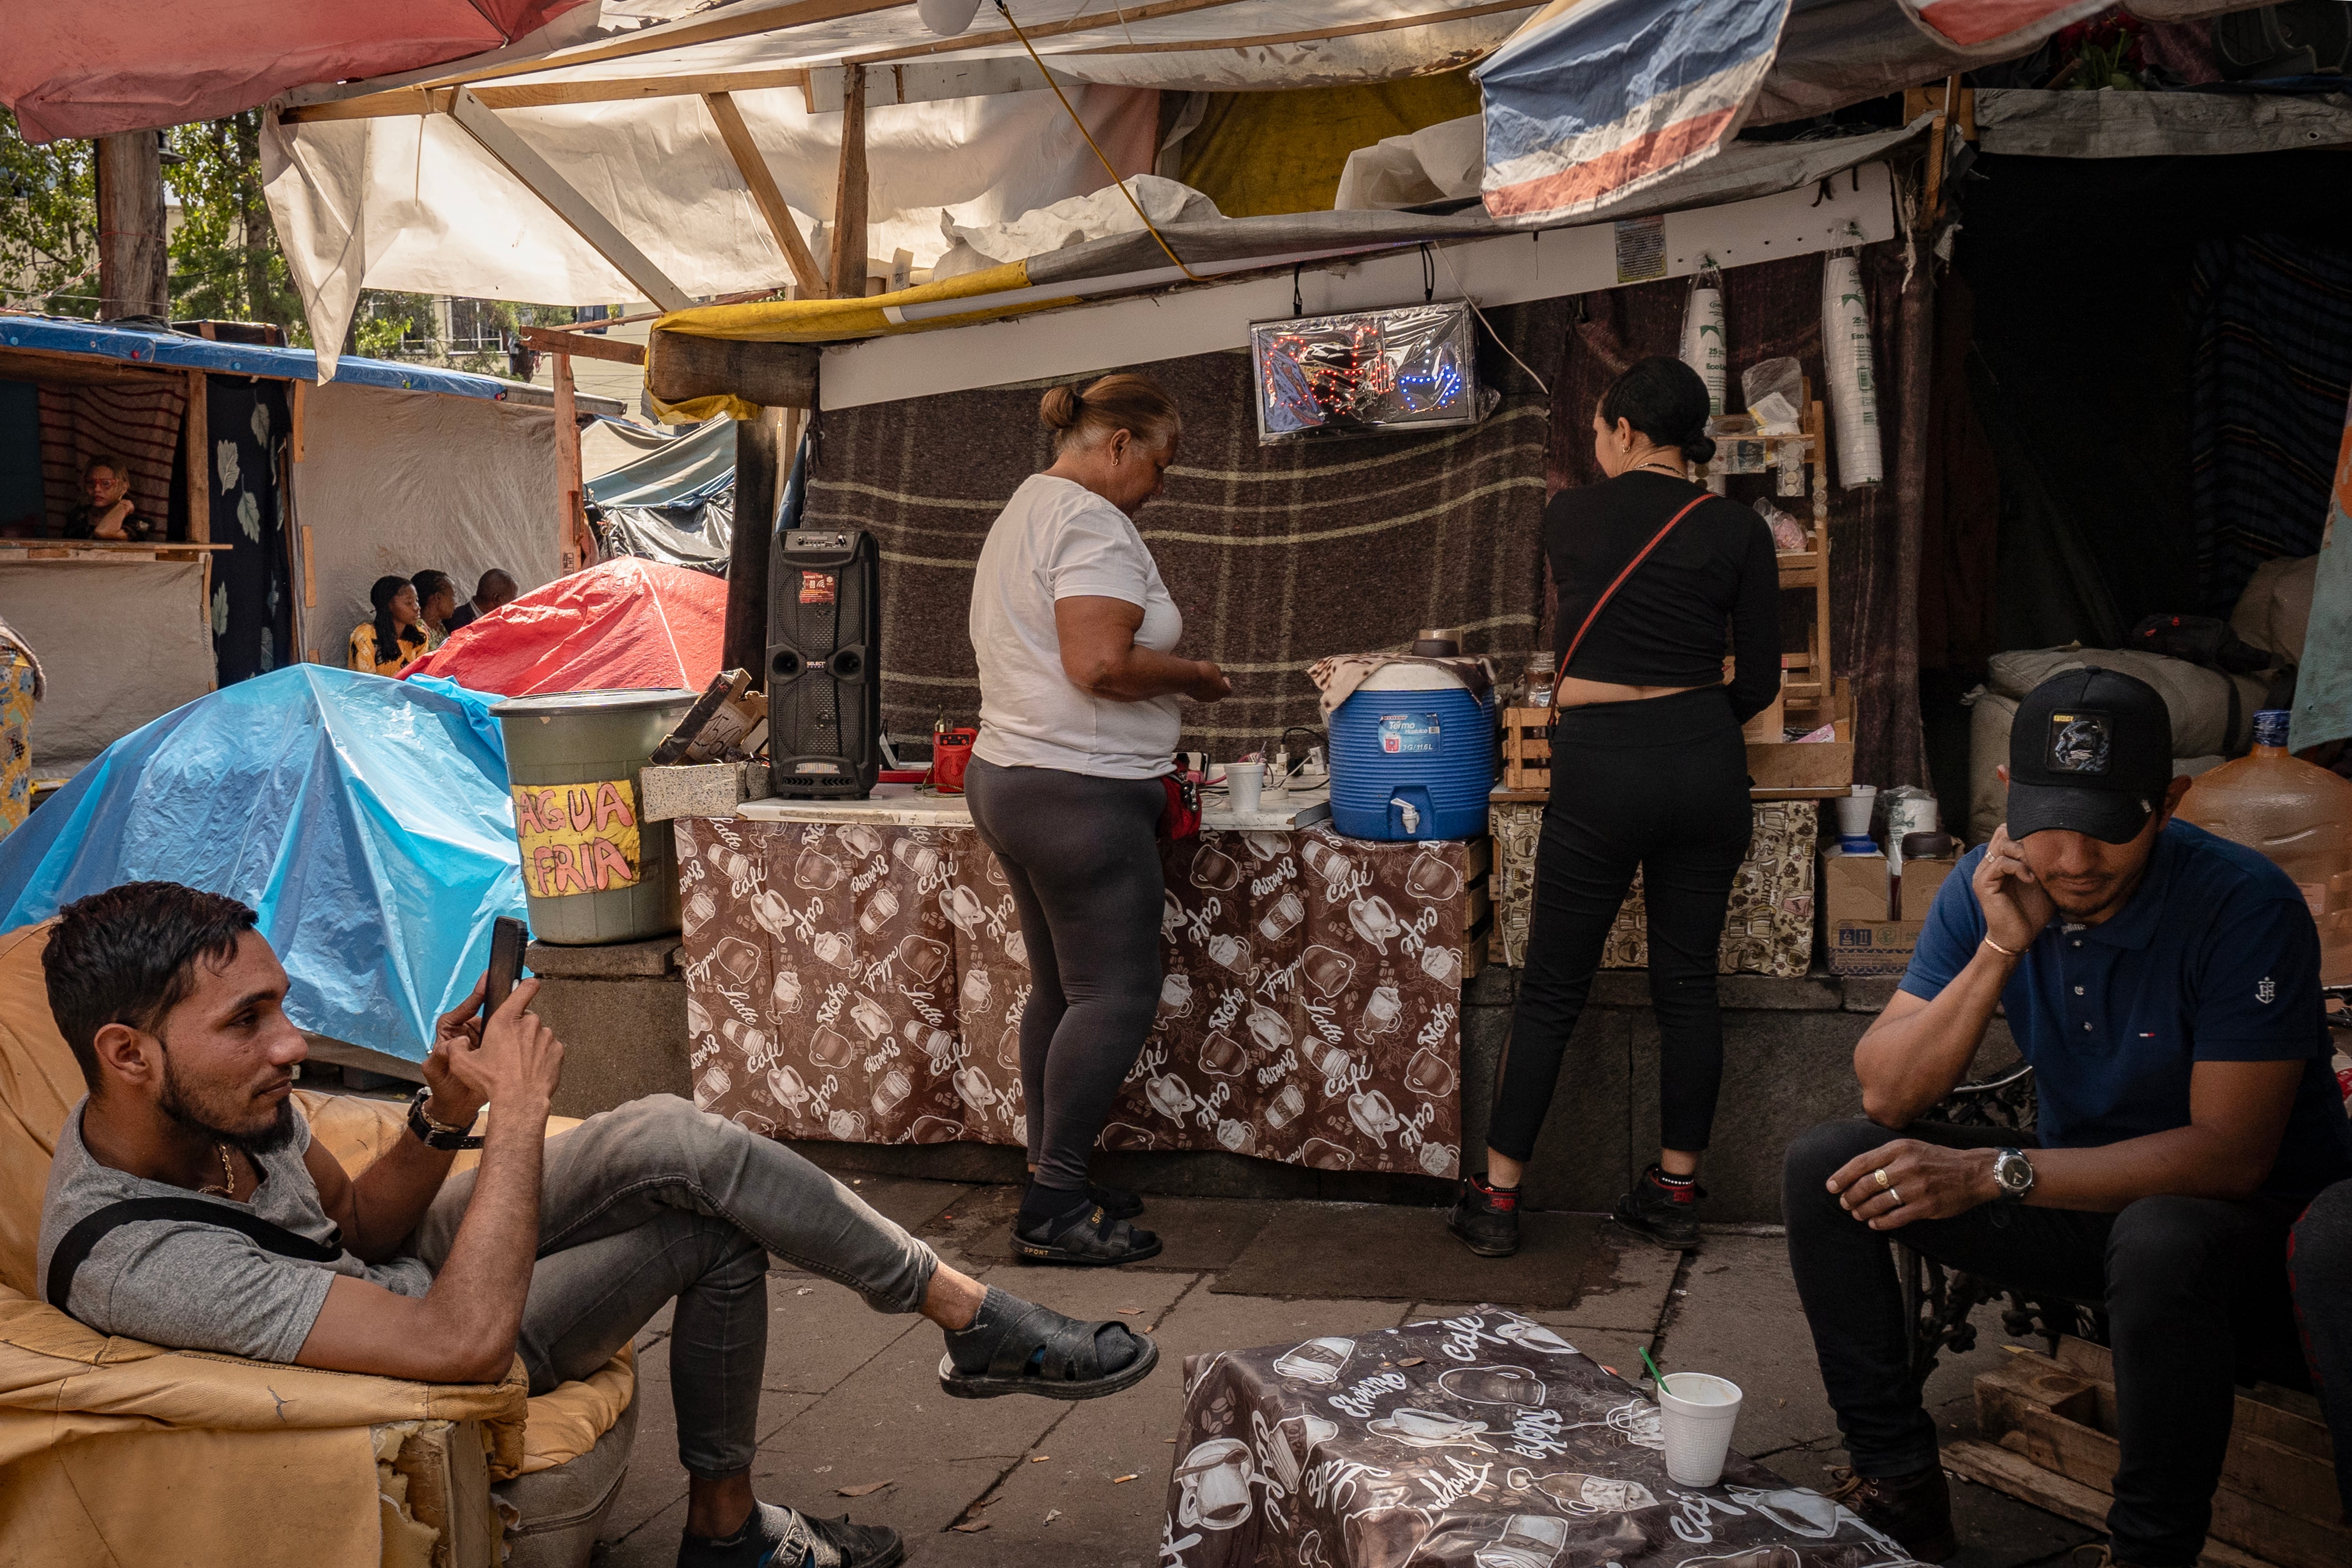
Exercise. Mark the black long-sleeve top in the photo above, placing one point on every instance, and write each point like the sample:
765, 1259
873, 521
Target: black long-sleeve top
1664, 626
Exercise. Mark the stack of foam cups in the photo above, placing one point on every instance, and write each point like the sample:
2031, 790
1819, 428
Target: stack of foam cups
1704, 351
1854, 388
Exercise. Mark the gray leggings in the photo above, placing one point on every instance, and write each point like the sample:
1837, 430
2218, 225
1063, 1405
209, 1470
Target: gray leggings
1082, 855
654, 1201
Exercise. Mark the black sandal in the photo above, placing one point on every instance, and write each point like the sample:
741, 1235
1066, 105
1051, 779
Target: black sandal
1034, 1349
1115, 1203
1087, 1236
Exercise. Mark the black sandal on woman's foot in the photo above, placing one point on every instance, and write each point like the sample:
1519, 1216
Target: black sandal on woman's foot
1115, 1203
1014, 1346
1087, 1235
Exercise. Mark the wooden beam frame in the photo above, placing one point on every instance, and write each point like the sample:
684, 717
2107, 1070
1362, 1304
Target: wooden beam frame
1311, 34
555, 341
500, 141
415, 100
850, 193
753, 167
568, 484
1100, 21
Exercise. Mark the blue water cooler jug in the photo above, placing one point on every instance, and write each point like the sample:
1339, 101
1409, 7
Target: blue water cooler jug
1412, 756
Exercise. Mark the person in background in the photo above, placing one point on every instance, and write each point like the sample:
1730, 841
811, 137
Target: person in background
494, 592
1074, 635
1650, 774
387, 644
436, 600
107, 513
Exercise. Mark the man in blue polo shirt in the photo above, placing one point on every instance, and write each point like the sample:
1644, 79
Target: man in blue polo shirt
2165, 984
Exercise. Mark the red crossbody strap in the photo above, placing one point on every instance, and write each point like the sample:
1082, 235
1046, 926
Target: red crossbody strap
1660, 538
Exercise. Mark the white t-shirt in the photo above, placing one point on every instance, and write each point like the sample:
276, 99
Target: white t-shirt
1057, 540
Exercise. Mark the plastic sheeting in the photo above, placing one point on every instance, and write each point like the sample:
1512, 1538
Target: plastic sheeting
701, 461
1071, 221
366, 820
391, 485
697, 534
625, 622
122, 642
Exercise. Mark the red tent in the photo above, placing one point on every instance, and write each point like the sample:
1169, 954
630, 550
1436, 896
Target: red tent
89, 68
626, 623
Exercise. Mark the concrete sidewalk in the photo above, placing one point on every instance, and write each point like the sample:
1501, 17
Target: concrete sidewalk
853, 1398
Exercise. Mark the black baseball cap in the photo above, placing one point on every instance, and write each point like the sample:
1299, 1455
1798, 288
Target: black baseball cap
2091, 751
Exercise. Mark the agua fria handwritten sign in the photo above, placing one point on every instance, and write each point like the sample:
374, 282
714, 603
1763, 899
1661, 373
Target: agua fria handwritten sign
577, 837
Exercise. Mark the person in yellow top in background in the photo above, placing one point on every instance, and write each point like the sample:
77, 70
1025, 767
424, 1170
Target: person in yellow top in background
436, 600
386, 644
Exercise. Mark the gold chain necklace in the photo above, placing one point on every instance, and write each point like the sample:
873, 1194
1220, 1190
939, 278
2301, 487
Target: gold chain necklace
227, 1188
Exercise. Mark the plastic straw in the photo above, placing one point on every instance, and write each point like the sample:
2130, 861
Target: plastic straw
1655, 1376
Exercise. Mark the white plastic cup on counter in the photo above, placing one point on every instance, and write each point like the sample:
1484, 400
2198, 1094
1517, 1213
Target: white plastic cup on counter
1854, 810
1244, 782
1696, 1411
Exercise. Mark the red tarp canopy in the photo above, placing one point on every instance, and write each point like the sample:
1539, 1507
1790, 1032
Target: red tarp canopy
626, 623
89, 68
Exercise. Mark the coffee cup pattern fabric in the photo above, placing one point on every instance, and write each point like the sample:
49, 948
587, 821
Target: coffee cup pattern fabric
864, 984
1480, 1440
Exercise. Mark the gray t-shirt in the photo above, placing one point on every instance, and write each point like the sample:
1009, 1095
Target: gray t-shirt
192, 1287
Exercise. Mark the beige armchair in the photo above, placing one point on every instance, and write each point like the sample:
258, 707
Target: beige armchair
112, 1451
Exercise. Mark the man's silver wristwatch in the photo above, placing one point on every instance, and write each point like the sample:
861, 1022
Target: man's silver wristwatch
2012, 1173
437, 1134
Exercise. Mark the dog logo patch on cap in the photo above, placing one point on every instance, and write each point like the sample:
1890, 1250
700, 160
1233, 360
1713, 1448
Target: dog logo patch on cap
2079, 742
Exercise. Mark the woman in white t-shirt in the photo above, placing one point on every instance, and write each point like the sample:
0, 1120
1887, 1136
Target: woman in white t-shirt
1076, 635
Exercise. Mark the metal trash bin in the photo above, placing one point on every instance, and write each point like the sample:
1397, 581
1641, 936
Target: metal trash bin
593, 869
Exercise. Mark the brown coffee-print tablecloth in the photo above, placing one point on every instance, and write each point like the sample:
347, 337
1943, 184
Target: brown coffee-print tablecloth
864, 984
1484, 1440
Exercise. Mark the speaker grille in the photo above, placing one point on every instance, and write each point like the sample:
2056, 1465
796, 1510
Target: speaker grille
824, 729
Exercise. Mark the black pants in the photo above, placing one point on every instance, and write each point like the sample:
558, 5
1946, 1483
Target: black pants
2184, 1279
2319, 1262
1661, 785
1082, 858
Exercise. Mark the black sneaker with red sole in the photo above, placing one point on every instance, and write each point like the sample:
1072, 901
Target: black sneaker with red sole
1663, 1216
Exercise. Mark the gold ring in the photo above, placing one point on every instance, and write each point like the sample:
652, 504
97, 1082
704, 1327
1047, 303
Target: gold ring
1880, 1174
1896, 1192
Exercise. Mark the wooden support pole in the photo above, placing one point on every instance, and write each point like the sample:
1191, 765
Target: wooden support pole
568, 549
196, 450
762, 186
298, 398
680, 368
762, 460
849, 194
131, 273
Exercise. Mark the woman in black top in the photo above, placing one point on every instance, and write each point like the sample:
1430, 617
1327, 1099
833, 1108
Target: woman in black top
1648, 771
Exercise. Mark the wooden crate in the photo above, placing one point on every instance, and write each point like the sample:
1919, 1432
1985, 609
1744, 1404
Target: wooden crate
2049, 1439
1527, 748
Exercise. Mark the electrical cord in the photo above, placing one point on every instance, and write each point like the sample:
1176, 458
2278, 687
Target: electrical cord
1482, 321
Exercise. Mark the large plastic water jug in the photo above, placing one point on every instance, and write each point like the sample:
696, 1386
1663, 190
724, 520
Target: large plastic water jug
1412, 756
2298, 815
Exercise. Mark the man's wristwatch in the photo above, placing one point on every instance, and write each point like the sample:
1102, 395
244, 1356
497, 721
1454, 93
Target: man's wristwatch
434, 1134
2012, 1173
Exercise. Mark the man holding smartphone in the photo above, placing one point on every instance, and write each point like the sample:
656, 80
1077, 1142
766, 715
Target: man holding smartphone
2164, 984
187, 1206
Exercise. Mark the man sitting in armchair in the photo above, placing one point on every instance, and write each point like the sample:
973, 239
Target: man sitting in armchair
2164, 984
188, 1207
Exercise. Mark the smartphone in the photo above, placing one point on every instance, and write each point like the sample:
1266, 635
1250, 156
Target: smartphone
507, 939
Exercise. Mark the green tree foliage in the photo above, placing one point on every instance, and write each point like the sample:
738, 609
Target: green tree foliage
49, 223
225, 264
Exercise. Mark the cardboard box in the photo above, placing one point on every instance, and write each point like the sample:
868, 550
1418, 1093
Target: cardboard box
1916, 887
1852, 886
1861, 948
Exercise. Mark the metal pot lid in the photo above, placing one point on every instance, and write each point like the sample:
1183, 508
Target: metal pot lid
549, 704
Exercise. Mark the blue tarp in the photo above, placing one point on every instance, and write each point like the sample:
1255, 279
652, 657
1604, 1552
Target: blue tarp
366, 820
178, 351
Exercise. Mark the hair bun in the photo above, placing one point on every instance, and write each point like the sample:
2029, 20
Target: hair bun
1700, 447
1061, 407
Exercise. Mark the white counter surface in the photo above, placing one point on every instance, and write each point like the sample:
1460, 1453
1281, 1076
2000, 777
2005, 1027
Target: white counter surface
908, 806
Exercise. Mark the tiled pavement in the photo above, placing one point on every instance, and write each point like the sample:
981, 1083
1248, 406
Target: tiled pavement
852, 1397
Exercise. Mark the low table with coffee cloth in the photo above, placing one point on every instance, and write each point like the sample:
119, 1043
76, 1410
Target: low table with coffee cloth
1768, 929
1483, 1440
856, 973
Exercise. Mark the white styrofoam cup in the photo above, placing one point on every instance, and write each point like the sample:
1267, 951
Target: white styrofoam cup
1244, 781
1696, 1411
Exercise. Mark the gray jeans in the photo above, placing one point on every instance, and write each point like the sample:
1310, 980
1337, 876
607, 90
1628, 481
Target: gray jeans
655, 1200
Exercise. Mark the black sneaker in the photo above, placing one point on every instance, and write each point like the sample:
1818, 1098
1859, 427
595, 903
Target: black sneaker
779, 1537
1486, 1221
1915, 1510
1665, 1215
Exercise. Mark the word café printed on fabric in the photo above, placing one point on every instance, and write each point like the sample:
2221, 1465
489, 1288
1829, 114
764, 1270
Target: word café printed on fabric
577, 838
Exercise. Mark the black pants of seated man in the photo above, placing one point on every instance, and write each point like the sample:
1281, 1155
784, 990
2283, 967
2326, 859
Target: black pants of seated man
2184, 1279
2320, 1265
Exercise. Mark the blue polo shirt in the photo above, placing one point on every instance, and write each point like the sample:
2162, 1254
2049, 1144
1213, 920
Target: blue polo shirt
2215, 958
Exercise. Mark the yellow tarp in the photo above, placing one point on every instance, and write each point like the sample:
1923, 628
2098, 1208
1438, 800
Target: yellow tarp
1261, 153
828, 322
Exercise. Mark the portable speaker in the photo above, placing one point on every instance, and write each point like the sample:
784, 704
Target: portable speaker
825, 667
